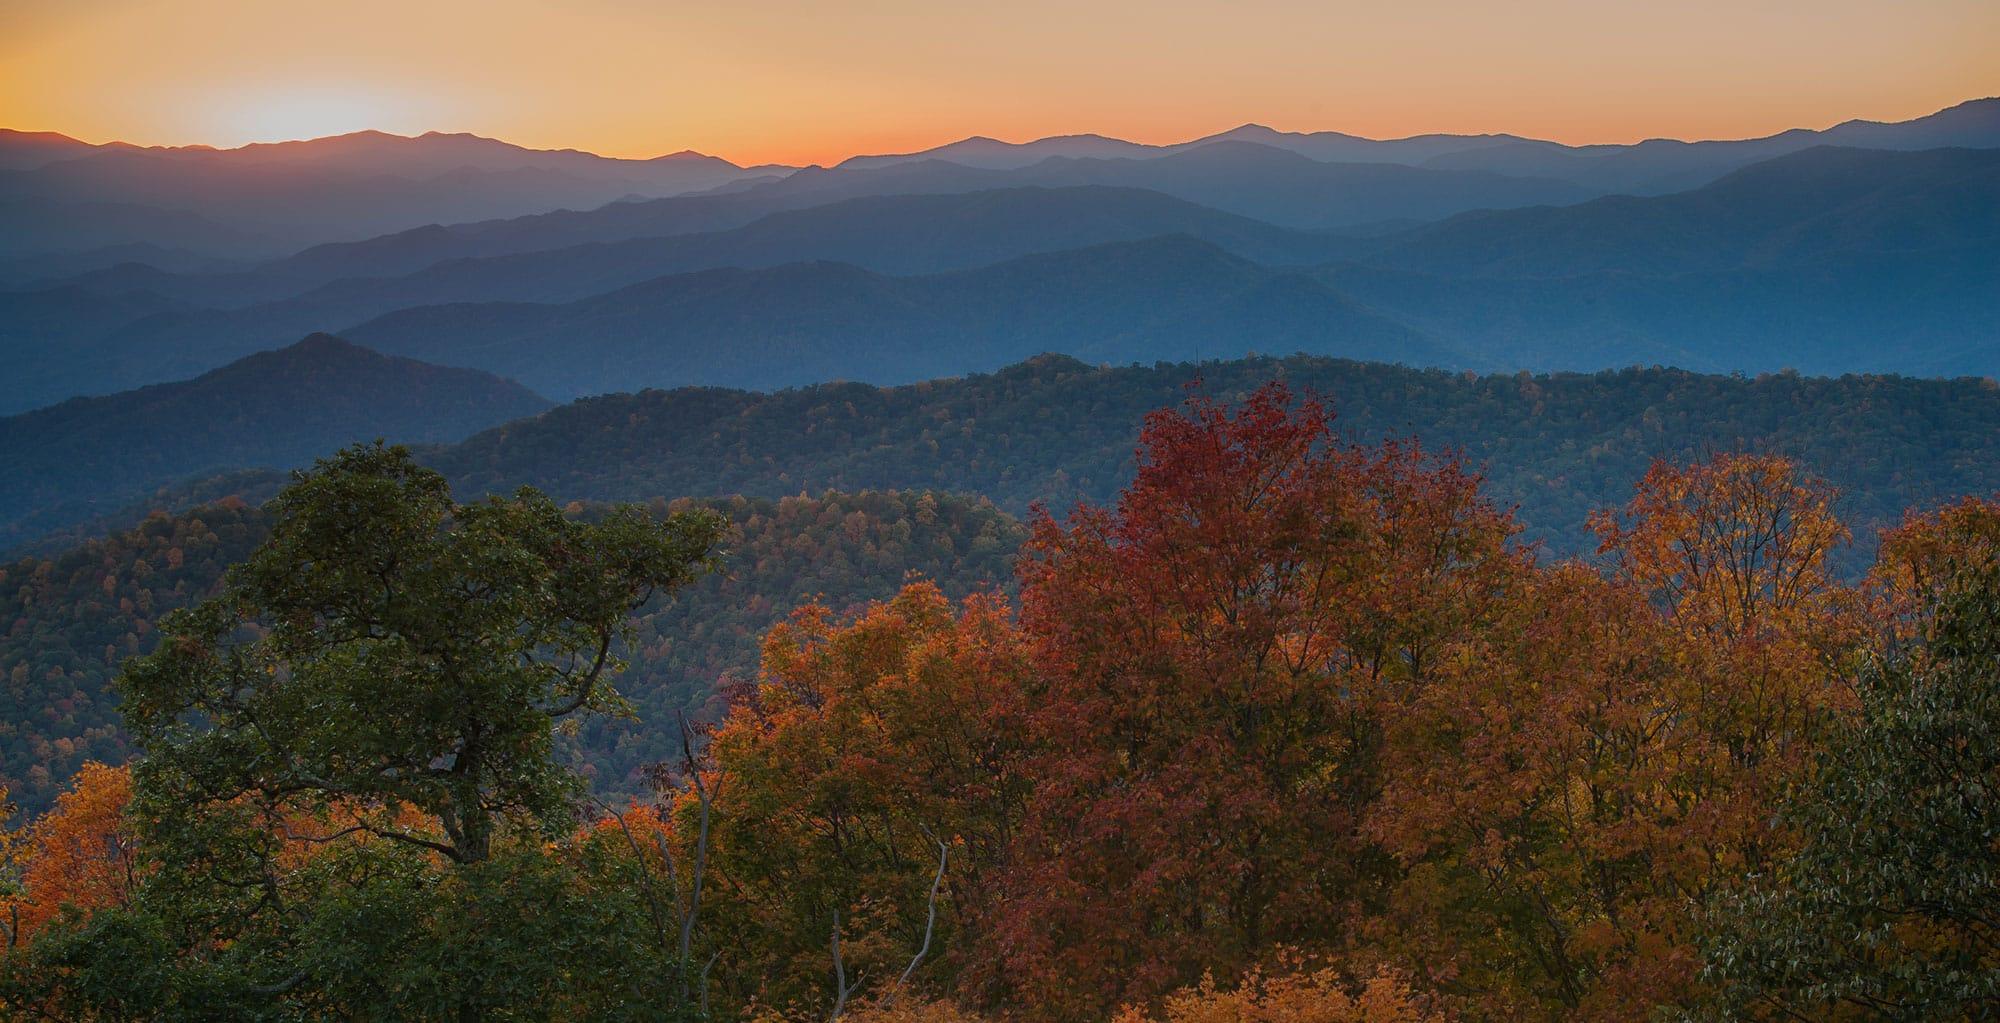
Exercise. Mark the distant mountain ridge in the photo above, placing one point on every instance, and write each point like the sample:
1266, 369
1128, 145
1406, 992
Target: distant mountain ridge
27, 150
983, 164
1245, 178
164, 337
1828, 261
295, 194
432, 152
1649, 167
1804, 205
347, 187
1281, 188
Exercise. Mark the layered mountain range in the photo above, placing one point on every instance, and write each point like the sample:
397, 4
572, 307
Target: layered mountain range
1865, 247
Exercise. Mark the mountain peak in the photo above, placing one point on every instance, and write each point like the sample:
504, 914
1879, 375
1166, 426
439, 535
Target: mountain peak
321, 341
19, 134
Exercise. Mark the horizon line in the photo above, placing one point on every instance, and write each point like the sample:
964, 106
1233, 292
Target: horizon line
976, 136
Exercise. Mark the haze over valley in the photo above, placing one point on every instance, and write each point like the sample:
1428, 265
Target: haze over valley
1859, 248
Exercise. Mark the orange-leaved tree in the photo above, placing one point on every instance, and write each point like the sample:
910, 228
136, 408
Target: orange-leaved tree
1298, 994
872, 781
1563, 794
81, 853
1919, 558
1734, 551
1532, 794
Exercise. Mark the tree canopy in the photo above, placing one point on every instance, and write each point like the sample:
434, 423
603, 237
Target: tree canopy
349, 777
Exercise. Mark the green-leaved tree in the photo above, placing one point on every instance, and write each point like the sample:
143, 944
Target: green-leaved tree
349, 801
1891, 909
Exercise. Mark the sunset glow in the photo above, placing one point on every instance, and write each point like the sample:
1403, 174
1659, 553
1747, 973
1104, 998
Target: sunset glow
798, 82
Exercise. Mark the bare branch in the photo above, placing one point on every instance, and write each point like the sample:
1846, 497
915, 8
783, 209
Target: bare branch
706, 799
930, 923
841, 988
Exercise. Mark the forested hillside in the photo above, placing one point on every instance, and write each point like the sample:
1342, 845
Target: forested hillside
1055, 430
71, 620
1555, 446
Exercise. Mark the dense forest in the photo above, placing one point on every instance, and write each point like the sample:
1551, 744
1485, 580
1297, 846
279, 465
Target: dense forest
1295, 727
1555, 447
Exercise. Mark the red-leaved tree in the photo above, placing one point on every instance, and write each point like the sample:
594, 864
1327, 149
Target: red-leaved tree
1213, 657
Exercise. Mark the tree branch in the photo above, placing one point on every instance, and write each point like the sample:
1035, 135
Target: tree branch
930, 923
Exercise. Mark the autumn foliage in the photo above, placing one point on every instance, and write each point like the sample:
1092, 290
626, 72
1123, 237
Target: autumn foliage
1213, 660
869, 752
1299, 995
1296, 732
81, 854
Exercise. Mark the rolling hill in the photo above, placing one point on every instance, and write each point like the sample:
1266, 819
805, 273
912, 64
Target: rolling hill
1793, 209
1058, 430
1054, 429
1827, 261
283, 408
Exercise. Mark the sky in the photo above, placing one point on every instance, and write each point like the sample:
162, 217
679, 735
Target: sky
813, 82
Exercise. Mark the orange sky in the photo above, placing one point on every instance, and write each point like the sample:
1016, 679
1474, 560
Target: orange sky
780, 80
